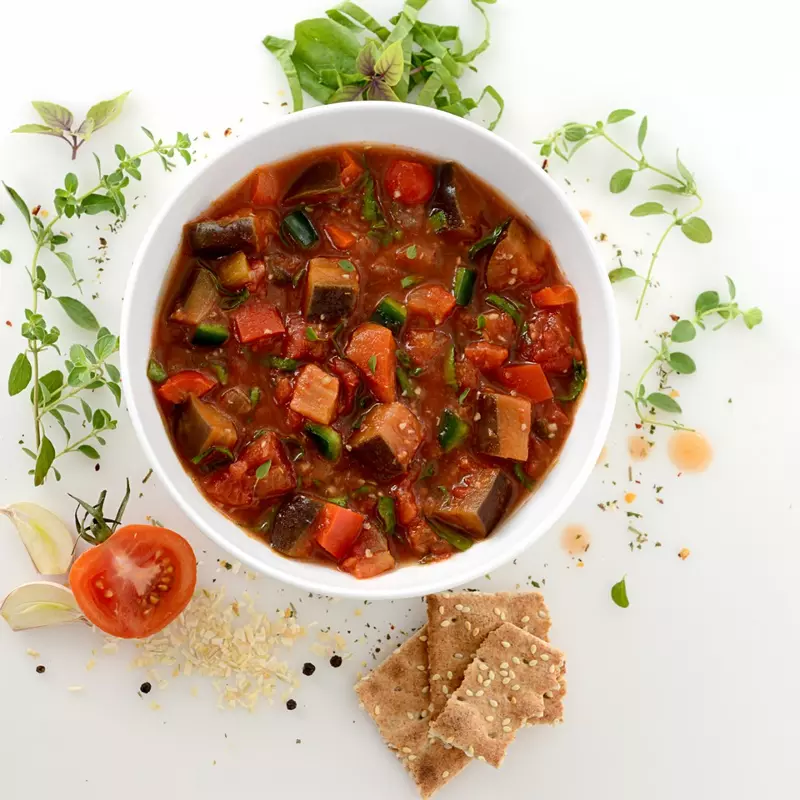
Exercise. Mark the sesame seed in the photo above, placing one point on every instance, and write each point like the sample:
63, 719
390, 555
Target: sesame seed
506, 728
406, 749
497, 612
445, 690
543, 614
446, 774
506, 681
544, 657
481, 758
412, 758
468, 625
504, 665
533, 648
421, 667
470, 693
552, 669
377, 710
491, 674
489, 718
548, 693
444, 623
526, 618
493, 703
436, 677
479, 693
409, 715
467, 609
449, 675
523, 427
507, 721
515, 687
458, 656
459, 607
503, 616
441, 609
516, 660
506, 644
426, 689
423, 638
533, 662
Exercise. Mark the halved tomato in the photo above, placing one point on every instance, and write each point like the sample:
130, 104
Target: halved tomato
136, 582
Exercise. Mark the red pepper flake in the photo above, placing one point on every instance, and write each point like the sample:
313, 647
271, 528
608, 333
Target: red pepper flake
544, 165
9, 323
228, 132
674, 317
36, 210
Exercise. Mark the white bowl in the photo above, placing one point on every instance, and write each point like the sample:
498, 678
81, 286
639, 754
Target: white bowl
516, 177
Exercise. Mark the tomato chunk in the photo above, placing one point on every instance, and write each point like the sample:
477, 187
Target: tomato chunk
135, 583
265, 189
550, 343
527, 379
554, 296
337, 528
372, 350
409, 182
431, 301
177, 388
486, 356
257, 321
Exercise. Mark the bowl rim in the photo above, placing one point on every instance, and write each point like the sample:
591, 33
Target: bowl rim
369, 589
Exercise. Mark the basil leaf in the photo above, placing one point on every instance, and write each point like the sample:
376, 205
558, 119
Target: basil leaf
619, 594
20, 375
682, 363
54, 115
89, 452
155, 372
78, 313
389, 66
491, 239
324, 44
620, 180
619, 115
683, 331
621, 274
35, 127
574, 133
731, 288
697, 230
663, 402
101, 114
263, 470
577, 384
387, 513
282, 49
457, 540
705, 302
97, 204
5, 256
648, 209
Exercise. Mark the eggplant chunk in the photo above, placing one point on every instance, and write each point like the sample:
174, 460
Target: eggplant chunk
505, 426
444, 201
202, 426
220, 237
234, 271
293, 531
480, 509
316, 182
200, 300
387, 440
516, 259
331, 291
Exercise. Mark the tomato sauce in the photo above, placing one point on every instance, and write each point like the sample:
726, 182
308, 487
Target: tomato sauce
365, 329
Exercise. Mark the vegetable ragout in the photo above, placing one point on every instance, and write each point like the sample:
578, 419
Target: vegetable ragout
366, 357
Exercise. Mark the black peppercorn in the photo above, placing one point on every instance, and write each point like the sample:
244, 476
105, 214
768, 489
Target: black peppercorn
336, 661
308, 668
40, 668
145, 687
291, 704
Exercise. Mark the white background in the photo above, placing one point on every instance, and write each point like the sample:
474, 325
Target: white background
689, 693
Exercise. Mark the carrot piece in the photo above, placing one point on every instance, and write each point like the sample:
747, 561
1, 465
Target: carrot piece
554, 296
315, 394
485, 355
352, 170
177, 388
257, 321
409, 182
340, 238
265, 190
527, 379
337, 528
372, 350
432, 301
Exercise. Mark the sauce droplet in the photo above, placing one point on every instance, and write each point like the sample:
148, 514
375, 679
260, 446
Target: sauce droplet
575, 539
638, 447
689, 451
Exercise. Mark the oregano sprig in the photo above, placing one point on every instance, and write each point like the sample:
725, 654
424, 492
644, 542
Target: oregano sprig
667, 361
54, 394
680, 183
60, 121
